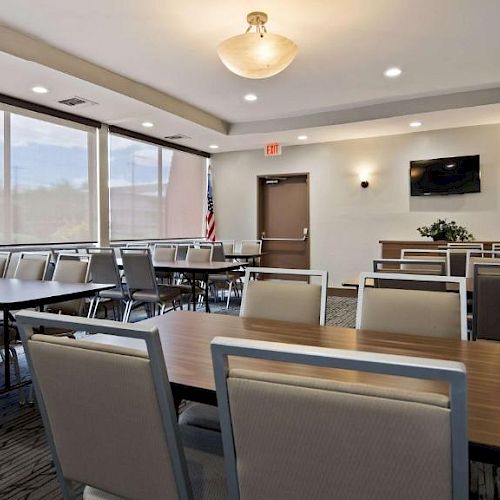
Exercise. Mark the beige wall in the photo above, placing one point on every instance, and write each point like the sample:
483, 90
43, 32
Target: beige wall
347, 221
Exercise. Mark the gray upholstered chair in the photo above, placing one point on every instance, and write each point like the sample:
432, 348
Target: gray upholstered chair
124, 442
141, 282
485, 257
285, 300
295, 436
417, 312
4, 263
165, 252
70, 270
103, 270
200, 255
32, 266
228, 246
486, 300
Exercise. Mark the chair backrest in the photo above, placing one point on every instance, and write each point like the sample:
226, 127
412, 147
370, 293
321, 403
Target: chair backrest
479, 257
457, 261
199, 254
138, 268
495, 247
228, 247
182, 251
4, 263
218, 253
32, 266
465, 245
70, 270
285, 300
103, 266
417, 312
310, 437
110, 418
251, 246
165, 252
486, 298
436, 267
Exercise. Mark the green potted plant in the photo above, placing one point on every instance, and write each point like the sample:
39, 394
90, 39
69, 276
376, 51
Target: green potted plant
442, 230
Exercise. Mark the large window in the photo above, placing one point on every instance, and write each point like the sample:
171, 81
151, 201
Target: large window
155, 192
49, 182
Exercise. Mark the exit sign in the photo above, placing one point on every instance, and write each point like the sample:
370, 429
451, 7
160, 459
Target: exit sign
273, 149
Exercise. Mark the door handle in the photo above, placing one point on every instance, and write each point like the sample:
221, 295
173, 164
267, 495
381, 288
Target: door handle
304, 237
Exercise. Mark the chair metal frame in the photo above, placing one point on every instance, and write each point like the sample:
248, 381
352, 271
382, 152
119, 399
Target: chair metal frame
466, 245
290, 272
460, 281
427, 251
452, 372
28, 320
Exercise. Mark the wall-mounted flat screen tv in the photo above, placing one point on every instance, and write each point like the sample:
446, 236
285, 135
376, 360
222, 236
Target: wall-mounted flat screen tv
456, 175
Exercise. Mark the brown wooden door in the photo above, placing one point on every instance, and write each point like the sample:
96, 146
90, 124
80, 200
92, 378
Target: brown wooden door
283, 215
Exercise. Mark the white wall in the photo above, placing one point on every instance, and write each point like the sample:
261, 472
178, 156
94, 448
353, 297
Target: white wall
347, 221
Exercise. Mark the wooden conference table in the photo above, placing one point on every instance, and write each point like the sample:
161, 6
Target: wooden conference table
18, 294
186, 338
193, 268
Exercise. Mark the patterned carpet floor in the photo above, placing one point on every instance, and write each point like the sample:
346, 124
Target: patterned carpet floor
26, 469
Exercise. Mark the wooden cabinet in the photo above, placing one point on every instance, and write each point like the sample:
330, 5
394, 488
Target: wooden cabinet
391, 249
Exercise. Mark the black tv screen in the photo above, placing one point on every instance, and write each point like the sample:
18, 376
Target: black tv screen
456, 175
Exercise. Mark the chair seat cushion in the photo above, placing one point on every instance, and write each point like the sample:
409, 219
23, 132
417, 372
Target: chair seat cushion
111, 294
166, 294
205, 461
201, 416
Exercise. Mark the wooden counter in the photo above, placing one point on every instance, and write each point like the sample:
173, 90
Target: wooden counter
391, 249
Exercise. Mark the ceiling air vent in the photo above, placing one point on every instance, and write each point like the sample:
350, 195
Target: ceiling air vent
77, 101
177, 137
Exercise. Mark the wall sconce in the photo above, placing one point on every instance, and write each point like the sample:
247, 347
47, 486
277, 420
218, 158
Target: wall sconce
363, 177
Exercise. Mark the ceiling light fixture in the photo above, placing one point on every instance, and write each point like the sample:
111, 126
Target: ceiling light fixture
393, 72
39, 90
257, 54
213, 146
147, 124
415, 124
302, 137
250, 97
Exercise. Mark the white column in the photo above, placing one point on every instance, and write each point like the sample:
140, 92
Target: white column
103, 187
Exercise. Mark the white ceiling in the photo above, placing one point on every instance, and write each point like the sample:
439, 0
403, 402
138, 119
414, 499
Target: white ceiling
344, 46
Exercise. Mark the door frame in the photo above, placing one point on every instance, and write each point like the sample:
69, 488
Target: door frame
260, 178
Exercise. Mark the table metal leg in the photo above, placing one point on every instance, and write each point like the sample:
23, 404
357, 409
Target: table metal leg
6, 341
193, 290
207, 306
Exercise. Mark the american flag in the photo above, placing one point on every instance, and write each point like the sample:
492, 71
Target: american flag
210, 231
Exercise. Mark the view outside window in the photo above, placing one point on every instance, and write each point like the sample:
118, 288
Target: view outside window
49, 184
155, 192
2, 207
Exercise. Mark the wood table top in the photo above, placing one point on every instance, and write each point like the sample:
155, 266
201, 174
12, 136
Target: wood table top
186, 338
16, 293
193, 267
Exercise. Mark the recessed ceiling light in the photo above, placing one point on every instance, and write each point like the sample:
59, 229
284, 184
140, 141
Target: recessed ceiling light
415, 124
147, 124
393, 72
302, 137
39, 90
250, 97
213, 146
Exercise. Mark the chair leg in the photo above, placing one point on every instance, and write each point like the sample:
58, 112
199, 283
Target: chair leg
229, 294
13, 353
96, 306
128, 308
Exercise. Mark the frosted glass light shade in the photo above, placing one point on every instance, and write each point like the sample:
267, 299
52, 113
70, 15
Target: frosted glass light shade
254, 56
